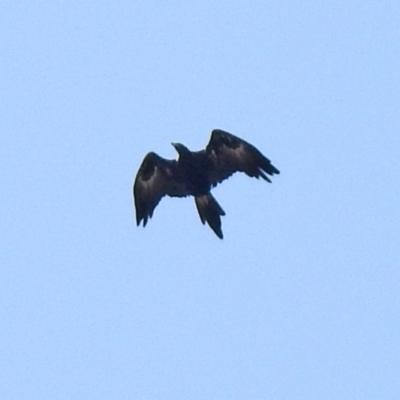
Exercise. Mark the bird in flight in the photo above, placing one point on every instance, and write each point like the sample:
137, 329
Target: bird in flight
195, 174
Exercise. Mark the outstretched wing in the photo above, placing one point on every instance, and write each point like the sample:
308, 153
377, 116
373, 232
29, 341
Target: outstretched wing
156, 178
229, 154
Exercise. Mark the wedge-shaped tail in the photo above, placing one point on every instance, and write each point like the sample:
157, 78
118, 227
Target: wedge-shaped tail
210, 211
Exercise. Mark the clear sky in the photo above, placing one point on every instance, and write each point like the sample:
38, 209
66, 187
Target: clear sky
301, 300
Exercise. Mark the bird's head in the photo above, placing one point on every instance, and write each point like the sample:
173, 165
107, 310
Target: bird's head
181, 149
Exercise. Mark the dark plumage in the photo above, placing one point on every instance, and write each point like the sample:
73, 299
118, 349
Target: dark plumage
195, 174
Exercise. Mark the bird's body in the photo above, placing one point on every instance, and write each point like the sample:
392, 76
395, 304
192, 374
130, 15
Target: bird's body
195, 174
194, 168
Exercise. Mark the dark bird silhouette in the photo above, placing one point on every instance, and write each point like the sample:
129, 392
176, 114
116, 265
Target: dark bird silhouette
195, 174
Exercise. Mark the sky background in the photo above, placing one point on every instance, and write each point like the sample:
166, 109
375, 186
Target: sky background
301, 300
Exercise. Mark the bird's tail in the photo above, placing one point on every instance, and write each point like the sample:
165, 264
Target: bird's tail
210, 211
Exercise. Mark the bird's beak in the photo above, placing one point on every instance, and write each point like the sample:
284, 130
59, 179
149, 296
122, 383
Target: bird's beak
174, 144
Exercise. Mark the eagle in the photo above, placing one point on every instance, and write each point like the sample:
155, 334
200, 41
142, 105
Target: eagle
195, 174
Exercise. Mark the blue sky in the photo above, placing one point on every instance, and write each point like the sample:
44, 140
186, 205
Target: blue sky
300, 300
